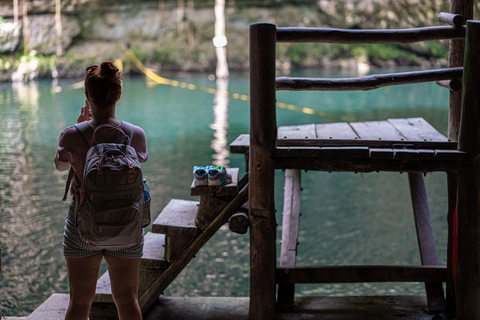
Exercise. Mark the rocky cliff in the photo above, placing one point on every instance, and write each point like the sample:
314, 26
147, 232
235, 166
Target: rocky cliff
168, 37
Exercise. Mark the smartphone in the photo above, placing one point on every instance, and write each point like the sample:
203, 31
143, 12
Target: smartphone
88, 108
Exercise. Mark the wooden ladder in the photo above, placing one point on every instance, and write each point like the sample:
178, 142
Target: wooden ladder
178, 233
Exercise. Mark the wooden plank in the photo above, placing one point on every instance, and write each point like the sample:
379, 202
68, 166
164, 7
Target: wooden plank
153, 251
306, 131
426, 241
230, 189
291, 217
174, 245
452, 155
177, 218
240, 144
290, 230
414, 154
376, 130
382, 153
351, 139
417, 129
157, 286
208, 209
364, 165
363, 36
351, 274
366, 143
335, 131
323, 152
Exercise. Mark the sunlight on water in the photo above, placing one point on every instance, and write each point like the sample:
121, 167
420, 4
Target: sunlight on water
346, 218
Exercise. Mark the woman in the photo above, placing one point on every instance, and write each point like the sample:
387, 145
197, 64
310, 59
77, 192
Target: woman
102, 90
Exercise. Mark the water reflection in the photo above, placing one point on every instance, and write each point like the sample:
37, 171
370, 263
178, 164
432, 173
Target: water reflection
27, 235
220, 124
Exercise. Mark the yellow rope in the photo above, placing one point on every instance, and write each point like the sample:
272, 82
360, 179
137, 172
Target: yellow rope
161, 80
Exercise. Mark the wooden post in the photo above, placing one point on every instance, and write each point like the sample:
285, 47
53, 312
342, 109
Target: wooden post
263, 131
455, 59
467, 279
290, 227
426, 243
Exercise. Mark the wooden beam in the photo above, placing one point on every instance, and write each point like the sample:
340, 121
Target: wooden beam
364, 165
290, 229
446, 145
263, 131
467, 279
452, 85
368, 82
451, 18
352, 274
330, 35
426, 241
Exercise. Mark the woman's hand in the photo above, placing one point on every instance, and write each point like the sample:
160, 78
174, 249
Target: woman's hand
85, 113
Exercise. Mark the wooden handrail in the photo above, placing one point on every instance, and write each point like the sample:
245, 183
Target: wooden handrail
369, 36
368, 82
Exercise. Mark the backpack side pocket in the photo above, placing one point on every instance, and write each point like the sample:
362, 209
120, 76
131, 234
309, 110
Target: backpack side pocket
146, 215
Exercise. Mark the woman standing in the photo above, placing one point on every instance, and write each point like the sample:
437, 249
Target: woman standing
102, 90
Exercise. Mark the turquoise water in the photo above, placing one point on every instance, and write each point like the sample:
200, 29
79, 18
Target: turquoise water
346, 218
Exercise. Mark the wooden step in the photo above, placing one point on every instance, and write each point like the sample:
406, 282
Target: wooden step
177, 222
152, 264
230, 189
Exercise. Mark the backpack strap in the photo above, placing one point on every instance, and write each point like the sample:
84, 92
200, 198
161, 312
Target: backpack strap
129, 129
67, 185
86, 130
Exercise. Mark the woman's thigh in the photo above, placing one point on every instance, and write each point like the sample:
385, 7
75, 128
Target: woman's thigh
82, 276
123, 274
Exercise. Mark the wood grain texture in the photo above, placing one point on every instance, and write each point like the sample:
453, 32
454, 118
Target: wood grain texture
351, 274
263, 135
177, 218
425, 238
368, 82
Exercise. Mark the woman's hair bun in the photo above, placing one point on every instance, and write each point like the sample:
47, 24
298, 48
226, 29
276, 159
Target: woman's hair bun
108, 69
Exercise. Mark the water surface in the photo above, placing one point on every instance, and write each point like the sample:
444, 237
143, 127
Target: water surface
346, 218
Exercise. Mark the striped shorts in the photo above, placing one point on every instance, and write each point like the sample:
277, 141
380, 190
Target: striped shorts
76, 247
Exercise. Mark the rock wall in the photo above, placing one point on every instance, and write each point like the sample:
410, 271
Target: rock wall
170, 38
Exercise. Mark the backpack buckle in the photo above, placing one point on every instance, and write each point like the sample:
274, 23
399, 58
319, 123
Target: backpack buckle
131, 175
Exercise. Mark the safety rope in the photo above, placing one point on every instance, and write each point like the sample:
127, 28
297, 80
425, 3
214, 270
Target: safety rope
174, 83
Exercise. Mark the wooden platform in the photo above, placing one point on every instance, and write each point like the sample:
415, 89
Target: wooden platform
236, 308
410, 145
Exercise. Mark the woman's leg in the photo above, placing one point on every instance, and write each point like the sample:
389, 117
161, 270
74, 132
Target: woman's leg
124, 280
82, 279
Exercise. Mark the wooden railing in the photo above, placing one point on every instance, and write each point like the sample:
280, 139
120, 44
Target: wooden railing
369, 36
263, 132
